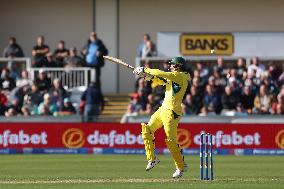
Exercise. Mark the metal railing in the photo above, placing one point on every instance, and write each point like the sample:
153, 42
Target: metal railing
70, 77
20, 63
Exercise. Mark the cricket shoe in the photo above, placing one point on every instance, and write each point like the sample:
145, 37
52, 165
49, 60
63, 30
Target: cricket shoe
151, 164
178, 173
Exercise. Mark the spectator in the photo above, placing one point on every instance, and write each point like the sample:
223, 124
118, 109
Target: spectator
240, 110
196, 73
15, 70
271, 85
73, 60
187, 105
47, 107
273, 73
153, 104
254, 88
143, 97
133, 108
67, 108
220, 82
61, 53
196, 100
13, 49
212, 99
212, 82
49, 62
57, 92
263, 101
6, 82
147, 63
229, 100
255, 80
25, 111
166, 66
39, 52
143, 89
233, 74
281, 79
18, 94
149, 107
24, 80
43, 82
94, 102
147, 48
278, 106
207, 111
244, 78
11, 112
33, 99
247, 99
256, 67
142, 83
203, 72
150, 49
241, 68
94, 51
196, 83
221, 67
282, 91
239, 99
235, 85
15, 106
3, 102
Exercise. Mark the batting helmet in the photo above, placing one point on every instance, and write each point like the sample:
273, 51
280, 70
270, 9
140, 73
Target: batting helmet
177, 61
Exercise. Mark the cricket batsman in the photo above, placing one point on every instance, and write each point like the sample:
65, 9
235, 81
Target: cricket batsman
168, 115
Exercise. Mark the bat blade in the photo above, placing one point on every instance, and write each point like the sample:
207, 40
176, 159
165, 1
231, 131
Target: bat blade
118, 61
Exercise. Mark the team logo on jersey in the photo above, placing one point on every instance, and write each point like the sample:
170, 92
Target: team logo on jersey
73, 138
279, 139
183, 137
176, 88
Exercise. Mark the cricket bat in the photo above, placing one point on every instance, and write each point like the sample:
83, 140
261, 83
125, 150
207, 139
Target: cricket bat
118, 61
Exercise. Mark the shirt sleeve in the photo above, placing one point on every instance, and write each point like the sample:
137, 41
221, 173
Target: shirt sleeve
159, 80
172, 76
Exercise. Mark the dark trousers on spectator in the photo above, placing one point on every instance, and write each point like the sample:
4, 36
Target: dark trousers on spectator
98, 76
91, 113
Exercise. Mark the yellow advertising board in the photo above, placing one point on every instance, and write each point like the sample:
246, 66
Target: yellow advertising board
202, 44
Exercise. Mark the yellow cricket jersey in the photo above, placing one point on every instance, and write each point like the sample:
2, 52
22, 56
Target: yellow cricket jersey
176, 84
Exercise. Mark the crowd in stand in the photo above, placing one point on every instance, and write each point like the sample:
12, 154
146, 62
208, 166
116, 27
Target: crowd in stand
219, 89
19, 95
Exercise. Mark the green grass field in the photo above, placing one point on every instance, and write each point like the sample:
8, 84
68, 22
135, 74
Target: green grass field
128, 171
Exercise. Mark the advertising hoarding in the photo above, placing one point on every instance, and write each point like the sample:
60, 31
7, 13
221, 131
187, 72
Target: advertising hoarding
114, 137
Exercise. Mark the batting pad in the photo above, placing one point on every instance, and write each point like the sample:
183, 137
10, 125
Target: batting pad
176, 153
149, 142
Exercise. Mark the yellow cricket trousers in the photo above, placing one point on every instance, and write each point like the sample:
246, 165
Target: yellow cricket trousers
169, 119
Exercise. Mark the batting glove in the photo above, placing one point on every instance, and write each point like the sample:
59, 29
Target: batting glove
139, 71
